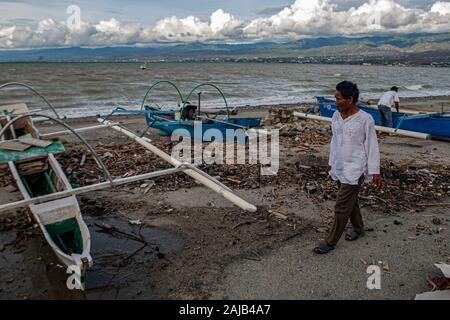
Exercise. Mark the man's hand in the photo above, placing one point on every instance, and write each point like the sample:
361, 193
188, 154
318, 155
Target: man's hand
377, 181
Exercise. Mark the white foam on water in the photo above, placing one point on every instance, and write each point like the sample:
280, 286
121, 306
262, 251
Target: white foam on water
418, 87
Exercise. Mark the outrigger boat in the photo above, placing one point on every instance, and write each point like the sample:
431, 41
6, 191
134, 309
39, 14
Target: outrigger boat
47, 192
435, 124
190, 116
37, 173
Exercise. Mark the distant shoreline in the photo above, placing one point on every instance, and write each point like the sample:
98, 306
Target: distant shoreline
418, 65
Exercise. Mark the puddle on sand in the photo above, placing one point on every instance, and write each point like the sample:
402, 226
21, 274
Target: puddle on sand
36, 273
116, 264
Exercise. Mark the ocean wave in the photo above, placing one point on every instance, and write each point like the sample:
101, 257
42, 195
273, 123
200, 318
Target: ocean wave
418, 87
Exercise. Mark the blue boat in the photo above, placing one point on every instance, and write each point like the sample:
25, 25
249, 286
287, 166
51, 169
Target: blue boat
202, 129
194, 122
435, 124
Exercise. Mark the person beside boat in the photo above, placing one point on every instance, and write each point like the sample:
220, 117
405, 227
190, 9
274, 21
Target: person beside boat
354, 159
385, 104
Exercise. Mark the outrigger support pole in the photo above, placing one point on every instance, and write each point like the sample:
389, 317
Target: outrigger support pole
193, 172
52, 135
94, 187
411, 134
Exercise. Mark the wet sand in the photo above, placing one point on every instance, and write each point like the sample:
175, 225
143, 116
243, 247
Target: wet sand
203, 247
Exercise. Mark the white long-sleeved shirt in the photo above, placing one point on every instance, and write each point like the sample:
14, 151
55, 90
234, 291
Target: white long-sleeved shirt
388, 99
354, 149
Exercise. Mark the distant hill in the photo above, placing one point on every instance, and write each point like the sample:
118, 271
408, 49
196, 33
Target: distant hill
438, 44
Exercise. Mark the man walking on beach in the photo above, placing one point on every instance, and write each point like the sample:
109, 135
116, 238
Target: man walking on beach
385, 106
354, 158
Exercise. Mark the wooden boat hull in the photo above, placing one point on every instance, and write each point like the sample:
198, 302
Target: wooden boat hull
60, 220
188, 126
38, 173
437, 126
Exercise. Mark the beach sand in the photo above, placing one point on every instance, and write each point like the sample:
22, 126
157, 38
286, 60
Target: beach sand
210, 249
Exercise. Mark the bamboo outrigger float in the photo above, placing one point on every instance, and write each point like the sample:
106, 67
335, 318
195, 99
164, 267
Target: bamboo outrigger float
47, 192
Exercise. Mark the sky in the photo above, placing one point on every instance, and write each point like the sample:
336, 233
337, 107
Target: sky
45, 23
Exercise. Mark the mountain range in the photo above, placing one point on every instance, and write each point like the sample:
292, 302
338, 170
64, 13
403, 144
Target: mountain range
419, 45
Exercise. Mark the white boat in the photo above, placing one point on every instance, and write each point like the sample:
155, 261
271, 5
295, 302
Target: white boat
37, 173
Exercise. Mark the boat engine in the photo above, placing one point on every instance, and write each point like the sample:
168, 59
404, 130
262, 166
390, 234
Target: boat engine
189, 112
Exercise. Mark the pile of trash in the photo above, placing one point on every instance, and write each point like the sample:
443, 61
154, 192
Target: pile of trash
403, 189
122, 160
295, 130
284, 115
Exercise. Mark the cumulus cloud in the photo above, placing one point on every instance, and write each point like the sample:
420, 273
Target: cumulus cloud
302, 18
312, 17
442, 8
221, 25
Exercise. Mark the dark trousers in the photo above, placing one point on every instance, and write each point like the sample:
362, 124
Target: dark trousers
347, 207
386, 116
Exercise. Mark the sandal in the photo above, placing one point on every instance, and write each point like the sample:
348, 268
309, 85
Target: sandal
323, 248
352, 235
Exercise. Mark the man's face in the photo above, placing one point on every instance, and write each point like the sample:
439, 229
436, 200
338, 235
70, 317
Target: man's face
342, 104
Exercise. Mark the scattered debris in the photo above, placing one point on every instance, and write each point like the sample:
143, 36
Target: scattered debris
83, 160
423, 229
321, 230
14, 146
149, 186
278, 215
434, 204
108, 155
440, 285
309, 173
135, 222
234, 181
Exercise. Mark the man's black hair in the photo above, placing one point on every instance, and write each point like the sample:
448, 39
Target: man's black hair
394, 89
348, 90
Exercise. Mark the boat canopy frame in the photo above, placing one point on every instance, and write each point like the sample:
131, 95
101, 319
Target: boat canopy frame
158, 83
207, 84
